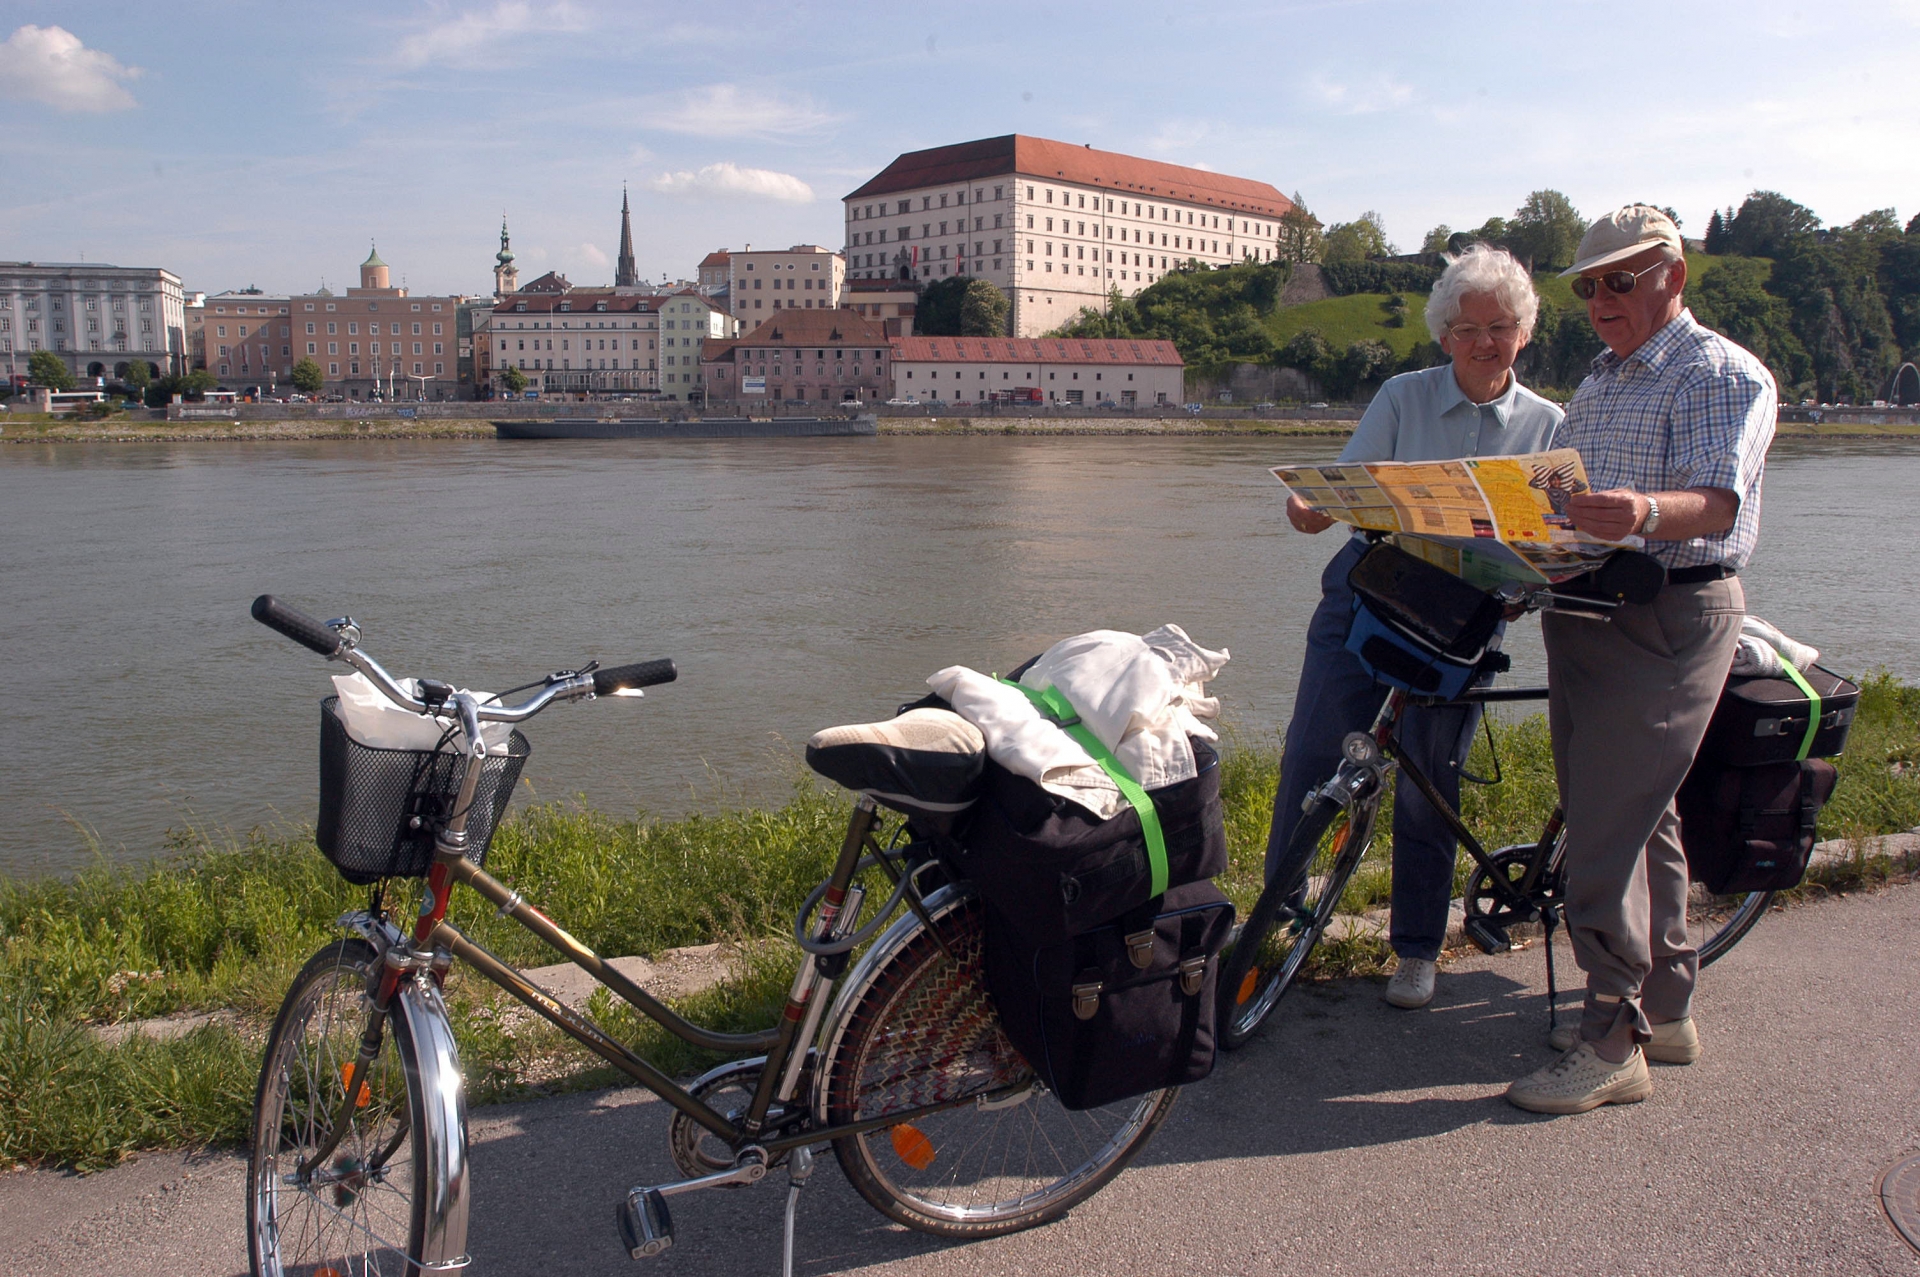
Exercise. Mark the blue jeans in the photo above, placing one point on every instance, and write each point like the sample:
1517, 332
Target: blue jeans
1337, 696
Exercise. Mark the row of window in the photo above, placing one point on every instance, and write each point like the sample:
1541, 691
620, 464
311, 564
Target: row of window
926, 202
980, 375
585, 344
333, 370
353, 348
566, 365
376, 306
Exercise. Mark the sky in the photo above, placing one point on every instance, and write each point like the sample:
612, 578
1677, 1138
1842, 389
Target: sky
269, 144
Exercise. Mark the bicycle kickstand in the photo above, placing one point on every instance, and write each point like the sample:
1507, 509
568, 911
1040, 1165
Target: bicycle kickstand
799, 1170
1550, 919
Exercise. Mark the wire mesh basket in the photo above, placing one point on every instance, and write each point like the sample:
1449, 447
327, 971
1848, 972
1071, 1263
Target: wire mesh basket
379, 807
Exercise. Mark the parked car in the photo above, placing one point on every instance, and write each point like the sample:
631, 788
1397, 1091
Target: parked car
1316, 405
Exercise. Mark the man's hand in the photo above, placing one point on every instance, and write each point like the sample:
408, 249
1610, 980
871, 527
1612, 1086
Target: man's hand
1305, 518
1612, 515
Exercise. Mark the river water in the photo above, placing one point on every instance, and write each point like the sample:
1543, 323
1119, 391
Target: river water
798, 583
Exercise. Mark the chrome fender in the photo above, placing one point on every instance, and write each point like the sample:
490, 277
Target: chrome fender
854, 987
443, 1101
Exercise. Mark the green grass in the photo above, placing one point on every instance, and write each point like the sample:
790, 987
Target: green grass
224, 924
1357, 317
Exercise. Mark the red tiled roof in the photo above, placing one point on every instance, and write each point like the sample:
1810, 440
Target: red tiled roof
1035, 350
1082, 165
815, 328
717, 258
578, 302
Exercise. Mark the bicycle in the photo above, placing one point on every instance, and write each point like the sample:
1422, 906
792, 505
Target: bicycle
1508, 887
358, 1157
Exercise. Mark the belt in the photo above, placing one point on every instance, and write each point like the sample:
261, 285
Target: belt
1705, 572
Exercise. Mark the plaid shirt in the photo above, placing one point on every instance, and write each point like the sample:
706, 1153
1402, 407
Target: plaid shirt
1688, 409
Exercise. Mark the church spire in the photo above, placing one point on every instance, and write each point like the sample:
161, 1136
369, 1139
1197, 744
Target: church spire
506, 276
624, 273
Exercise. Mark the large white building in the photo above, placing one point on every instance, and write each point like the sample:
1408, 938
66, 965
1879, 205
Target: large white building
804, 277
1055, 226
98, 318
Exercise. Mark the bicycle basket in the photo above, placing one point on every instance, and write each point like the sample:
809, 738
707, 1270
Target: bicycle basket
379, 807
1415, 626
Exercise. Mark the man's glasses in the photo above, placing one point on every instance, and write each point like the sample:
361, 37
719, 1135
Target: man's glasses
1617, 281
1468, 334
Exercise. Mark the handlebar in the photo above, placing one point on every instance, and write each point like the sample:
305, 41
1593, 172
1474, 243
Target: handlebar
312, 634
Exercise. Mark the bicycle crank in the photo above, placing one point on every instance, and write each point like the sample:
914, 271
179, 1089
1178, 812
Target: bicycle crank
1492, 910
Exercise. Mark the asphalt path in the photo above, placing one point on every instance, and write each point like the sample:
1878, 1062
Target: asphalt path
1349, 1138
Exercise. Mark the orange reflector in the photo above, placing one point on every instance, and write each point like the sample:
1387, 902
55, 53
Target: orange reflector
328, 1272
911, 1146
361, 1100
1247, 986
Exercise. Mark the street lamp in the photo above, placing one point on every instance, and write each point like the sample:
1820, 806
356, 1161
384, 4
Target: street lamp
421, 394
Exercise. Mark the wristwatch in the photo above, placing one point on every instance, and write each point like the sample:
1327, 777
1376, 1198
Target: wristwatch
1651, 524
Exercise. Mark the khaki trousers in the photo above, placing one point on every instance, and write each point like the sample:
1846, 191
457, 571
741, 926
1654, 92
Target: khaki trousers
1629, 701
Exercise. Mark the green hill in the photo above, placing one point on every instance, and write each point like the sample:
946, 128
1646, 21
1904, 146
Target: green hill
1360, 317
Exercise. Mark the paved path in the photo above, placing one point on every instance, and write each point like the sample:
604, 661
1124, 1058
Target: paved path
1350, 1138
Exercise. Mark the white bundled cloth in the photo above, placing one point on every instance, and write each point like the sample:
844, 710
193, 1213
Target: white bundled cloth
373, 720
1141, 695
1765, 652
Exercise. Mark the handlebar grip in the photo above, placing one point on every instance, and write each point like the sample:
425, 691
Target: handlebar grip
295, 624
644, 674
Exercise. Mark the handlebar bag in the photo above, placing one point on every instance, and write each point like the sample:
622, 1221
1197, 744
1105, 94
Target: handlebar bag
1118, 1010
1416, 626
1752, 828
1774, 720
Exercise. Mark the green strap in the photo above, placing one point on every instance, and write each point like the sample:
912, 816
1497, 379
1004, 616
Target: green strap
1056, 707
1813, 708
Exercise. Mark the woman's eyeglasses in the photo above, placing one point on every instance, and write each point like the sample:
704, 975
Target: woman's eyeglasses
1468, 334
1617, 281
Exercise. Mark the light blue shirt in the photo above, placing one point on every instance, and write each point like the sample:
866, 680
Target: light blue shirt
1424, 416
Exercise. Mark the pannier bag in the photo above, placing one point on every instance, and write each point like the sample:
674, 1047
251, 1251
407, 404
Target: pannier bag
1052, 868
1416, 626
1120, 1009
1773, 720
1752, 828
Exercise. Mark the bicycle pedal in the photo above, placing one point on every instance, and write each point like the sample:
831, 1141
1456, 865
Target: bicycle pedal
1490, 938
646, 1225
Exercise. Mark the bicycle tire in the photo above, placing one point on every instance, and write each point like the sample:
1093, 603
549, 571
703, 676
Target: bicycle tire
370, 1215
1724, 920
1260, 967
923, 1030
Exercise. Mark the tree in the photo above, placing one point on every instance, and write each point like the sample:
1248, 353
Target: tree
937, 313
1300, 239
1436, 240
44, 368
1363, 239
1716, 235
306, 377
197, 383
1767, 220
513, 379
1546, 230
138, 376
983, 311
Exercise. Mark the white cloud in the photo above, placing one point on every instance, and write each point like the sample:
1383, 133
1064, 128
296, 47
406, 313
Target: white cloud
730, 179
726, 110
475, 35
591, 253
1379, 94
51, 65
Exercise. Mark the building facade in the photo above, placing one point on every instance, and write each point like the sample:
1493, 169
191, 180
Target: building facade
804, 277
891, 301
821, 357
1121, 373
689, 320
378, 341
585, 341
1056, 227
97, 318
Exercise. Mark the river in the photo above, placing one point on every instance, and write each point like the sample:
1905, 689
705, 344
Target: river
798, 583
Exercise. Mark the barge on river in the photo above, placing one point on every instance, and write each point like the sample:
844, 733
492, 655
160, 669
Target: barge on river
701, 428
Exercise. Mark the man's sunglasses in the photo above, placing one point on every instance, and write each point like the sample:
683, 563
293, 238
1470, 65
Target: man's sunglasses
1617, 281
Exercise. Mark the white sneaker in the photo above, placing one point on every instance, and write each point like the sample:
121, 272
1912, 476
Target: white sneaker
1580, 1080
1675, 1042
1412, 983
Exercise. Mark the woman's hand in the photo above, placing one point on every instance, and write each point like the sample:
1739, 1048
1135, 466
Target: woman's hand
1305, 518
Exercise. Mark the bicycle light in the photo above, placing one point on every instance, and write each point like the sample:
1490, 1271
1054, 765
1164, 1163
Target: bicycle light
1359, 748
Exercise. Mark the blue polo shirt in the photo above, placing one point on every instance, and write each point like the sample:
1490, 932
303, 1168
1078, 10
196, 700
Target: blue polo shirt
1424, 416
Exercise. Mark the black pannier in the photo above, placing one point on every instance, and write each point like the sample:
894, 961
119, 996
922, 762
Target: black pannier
1120, 1009
1052, 868
1752, 828
1416, 626
1764, 720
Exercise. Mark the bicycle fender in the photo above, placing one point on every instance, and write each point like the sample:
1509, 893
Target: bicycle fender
443, 1097
834, 1026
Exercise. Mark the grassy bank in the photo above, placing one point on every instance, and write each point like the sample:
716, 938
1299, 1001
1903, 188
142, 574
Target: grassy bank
223, 925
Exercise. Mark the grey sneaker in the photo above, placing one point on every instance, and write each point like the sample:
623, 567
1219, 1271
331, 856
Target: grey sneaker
1580, 1080
1412, 983
1675, 1042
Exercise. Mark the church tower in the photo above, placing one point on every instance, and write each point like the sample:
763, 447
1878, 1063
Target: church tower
624, 273
506, 276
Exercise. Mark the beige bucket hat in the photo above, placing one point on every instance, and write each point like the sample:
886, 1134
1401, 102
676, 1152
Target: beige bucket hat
1631, 229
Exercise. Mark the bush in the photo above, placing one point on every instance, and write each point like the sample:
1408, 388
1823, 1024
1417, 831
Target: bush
1345, 278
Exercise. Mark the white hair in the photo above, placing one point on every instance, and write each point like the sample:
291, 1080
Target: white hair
1483, 269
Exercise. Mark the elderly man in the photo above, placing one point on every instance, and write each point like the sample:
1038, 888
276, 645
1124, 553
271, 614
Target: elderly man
1481, 311
1673, 424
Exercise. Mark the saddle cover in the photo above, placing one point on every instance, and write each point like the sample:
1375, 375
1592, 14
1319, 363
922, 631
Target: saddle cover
926, 762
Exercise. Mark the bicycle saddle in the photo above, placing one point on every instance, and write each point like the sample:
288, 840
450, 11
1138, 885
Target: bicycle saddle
925, 762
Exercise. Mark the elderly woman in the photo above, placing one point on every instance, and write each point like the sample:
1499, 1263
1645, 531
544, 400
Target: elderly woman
1481, 312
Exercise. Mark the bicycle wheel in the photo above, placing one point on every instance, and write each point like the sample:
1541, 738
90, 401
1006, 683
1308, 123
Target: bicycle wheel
1717, 923
924, 1031
1289, 918
364, 1209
